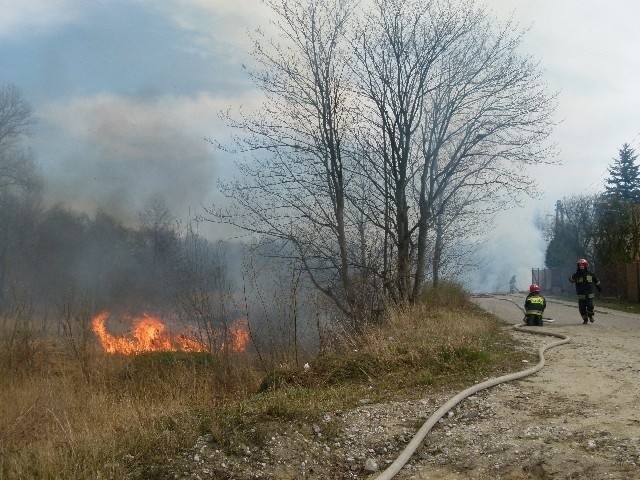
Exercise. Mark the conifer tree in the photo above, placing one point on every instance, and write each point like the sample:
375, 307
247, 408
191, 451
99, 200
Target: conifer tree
623, 184
618, 212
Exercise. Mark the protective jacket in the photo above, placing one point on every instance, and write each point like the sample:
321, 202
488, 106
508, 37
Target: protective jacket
534, 304
586, 283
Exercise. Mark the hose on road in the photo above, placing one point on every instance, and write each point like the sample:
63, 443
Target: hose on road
415, 442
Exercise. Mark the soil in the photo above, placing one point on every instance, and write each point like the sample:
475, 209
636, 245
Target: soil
577, 418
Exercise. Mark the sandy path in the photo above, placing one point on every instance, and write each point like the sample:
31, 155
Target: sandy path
578, 418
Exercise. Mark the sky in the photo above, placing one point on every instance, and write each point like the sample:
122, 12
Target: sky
126, 92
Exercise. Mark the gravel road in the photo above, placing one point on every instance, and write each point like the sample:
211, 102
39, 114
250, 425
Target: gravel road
578, 418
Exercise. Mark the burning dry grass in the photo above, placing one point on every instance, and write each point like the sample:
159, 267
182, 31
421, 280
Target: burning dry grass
63, 416
57, 422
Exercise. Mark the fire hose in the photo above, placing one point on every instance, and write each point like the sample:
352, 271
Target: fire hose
415, 442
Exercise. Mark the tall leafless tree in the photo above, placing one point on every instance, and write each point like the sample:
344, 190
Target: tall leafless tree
20, 184
397, 48
459, 113
385, 131
295, 187
488, 118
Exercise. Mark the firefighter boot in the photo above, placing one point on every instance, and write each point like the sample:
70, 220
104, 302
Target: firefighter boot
591, 317
584, 319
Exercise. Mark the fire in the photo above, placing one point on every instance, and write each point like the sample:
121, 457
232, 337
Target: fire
149, 334
239, 331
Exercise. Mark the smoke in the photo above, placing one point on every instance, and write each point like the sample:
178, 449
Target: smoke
514, 248
125, 151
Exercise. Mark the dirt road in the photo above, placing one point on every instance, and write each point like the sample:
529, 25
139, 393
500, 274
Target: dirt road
578, 418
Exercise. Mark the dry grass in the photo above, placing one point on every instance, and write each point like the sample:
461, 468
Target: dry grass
442, 339
123, 417
129, 414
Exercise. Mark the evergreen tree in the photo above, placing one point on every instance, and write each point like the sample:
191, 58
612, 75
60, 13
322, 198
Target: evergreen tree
617, 215
623, 184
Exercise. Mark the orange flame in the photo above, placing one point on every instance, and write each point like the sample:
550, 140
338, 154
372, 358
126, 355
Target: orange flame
239, 331
149, 334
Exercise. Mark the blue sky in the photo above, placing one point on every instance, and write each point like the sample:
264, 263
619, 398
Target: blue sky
126, 91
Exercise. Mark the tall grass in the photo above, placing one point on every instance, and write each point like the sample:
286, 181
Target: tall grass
98, 416
442, 338
62, 418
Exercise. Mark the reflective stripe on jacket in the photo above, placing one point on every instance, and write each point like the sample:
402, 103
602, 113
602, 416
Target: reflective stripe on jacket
534, 304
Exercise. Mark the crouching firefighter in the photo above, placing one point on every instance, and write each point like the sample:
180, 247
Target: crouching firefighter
534, 306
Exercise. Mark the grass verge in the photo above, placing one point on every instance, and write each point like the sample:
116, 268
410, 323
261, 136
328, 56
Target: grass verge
124, 417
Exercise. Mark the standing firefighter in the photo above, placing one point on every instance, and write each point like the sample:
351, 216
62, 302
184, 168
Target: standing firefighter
534, 306
585, 281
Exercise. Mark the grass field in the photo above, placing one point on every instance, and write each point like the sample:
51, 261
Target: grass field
77, 413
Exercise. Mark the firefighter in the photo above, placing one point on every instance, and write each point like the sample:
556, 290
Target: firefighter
585, 281
534, 306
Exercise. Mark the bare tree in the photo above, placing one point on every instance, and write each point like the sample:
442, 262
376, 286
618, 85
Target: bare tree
295, 186
397, 47
488, 118
20, 184
453, 240
16, 116
459, 115
384, 132
156, 220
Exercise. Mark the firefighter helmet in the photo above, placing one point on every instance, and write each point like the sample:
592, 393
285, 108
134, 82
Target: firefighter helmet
583, 262
534, 288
